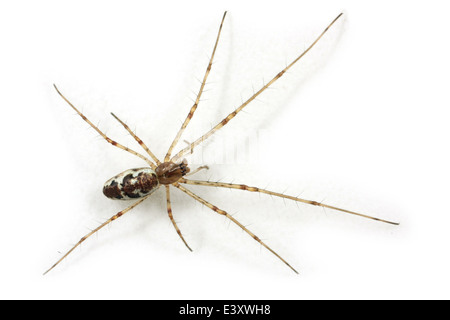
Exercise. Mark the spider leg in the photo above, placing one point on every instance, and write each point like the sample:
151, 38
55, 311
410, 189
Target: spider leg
114, 217
141, 143
169, 211
114, 143
255, 189
242, 106
197, 100
224, 213
197, 170
188, 143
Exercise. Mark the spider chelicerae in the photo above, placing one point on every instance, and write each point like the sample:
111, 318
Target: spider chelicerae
140, 183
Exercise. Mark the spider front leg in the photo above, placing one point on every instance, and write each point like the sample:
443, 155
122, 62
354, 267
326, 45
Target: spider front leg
169, 211
233, 114
255, 189
114, 217
197, 100
224, 213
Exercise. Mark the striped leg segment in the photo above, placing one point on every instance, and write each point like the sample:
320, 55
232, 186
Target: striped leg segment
114, 217
224, 213
141, 143
197, 100
114, 143
169, 211
180, 154
255, 189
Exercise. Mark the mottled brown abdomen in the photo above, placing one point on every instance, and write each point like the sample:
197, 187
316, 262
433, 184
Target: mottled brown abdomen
131, 184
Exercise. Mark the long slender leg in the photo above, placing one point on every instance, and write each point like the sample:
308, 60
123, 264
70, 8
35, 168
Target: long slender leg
169, 211
114, 217
224, 213
194, 107
235, 112
114, 143
255, 189
141, 143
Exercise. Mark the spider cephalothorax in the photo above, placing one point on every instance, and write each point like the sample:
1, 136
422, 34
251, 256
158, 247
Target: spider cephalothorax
169, 172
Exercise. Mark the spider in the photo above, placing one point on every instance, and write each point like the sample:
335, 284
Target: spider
140, 183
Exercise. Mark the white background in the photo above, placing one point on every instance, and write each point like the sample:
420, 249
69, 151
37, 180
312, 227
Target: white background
361, 123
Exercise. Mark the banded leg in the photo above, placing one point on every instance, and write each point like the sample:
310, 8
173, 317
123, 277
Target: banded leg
197, 100
235, 112
224, 213
169, 211
114, 143
255, 189
141, 143
114, 217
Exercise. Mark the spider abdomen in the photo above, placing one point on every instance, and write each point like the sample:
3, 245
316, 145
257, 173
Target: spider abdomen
131, 184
